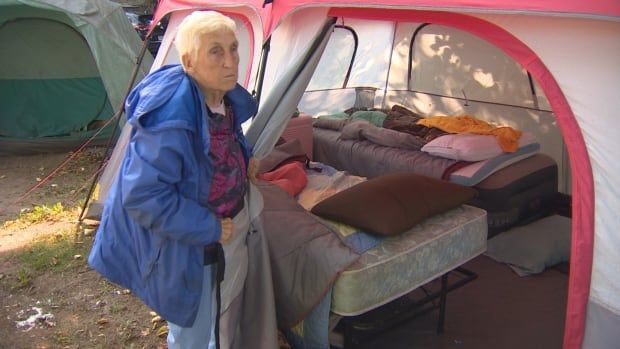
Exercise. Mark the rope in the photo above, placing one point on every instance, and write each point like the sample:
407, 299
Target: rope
58, 168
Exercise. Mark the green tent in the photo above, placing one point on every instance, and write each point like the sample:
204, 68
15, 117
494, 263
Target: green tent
64, 69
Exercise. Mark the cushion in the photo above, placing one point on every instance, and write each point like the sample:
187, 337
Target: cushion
469, 146
530, 248
392, 204
290, 177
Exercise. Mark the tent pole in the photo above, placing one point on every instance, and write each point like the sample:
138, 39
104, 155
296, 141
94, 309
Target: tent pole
116, 119
261, 70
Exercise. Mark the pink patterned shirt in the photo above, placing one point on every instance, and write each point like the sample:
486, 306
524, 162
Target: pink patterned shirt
229, 182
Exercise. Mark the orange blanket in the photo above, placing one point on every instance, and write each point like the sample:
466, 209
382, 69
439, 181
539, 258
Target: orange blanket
507, 137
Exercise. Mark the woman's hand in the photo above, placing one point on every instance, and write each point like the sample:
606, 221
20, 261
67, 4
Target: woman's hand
253, 166
227, 230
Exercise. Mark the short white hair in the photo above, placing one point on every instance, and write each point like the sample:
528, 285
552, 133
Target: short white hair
197, 24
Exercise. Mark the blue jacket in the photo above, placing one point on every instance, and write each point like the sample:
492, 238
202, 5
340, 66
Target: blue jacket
153, 228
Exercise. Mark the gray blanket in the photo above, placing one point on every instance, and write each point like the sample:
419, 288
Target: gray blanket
306, 255
367, 159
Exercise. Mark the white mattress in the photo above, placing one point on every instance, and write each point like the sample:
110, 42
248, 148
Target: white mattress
404, 262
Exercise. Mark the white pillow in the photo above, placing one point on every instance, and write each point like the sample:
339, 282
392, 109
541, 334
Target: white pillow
469, 146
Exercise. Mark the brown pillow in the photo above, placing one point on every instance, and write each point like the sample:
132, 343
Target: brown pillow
392, 204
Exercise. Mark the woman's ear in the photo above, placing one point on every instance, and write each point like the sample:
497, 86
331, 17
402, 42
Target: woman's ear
187, 62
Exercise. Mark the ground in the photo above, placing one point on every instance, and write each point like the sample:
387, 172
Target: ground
49, 297
43, 267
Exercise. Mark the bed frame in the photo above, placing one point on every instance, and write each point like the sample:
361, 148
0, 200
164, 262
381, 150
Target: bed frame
351, 331
375, 293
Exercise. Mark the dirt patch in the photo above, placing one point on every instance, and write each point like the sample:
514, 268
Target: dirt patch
20, 174
61, 302
82, 311
57, 301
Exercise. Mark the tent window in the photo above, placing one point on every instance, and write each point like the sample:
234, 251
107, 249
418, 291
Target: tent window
449, 62
335, 66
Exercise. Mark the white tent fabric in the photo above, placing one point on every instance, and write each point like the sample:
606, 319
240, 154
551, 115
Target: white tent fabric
280, 105
588, 76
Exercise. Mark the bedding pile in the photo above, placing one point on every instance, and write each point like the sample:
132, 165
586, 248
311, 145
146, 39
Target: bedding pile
407, 142
309, 252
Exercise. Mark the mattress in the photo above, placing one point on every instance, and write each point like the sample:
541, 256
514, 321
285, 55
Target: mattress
404, 262
525, 190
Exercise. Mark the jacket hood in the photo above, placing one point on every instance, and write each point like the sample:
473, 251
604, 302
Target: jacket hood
170, 82
153, 91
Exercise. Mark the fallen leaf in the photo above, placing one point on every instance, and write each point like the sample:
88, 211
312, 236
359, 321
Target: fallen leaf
156, 319
77, 256
162, 331
103, 321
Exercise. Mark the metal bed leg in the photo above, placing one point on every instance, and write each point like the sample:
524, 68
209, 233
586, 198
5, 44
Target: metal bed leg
442, 303
348, 334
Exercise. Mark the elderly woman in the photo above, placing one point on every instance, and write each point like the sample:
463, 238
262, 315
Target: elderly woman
181, 188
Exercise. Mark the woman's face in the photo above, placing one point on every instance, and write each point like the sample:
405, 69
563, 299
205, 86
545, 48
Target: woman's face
216, 66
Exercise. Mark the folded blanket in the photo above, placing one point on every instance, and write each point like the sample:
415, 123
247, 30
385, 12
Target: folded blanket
306, 255
364, 130
330, 123
403, 120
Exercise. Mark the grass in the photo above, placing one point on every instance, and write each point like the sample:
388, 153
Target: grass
42, 213
23, 278
53, 253
56, 253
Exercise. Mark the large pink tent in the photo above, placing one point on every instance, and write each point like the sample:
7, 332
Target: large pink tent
571, 48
